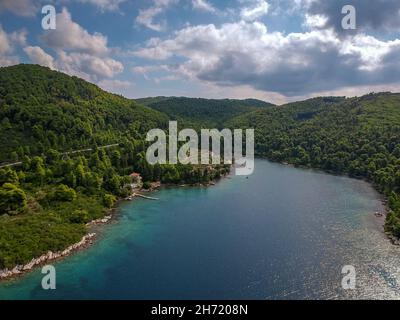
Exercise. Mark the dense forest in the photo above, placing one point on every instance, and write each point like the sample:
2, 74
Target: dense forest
359, 137
46, 116
203, 113
41, 109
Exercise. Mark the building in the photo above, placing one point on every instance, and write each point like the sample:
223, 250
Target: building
136, 180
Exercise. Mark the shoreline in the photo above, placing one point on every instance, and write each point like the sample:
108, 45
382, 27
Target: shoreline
395, 241
7, 274
88, 239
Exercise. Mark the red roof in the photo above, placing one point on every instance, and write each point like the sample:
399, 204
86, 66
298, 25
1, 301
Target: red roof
134, 175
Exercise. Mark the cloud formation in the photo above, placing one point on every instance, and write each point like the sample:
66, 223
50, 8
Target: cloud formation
71, 36
235, 53
88, 66
8, 43
25, 8
294, 64
77, 51
38, 56
116, 86
147, 16
255, 10
203, 5
378, 15
105, 5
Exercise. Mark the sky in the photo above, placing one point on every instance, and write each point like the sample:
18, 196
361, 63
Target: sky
275, 50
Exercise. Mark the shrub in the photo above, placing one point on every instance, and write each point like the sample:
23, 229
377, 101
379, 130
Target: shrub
8, 175
79, 216
63, 193
109, 200
12, 199
146, 185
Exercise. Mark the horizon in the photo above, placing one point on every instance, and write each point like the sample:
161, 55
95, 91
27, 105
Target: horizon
278, 51
217, 99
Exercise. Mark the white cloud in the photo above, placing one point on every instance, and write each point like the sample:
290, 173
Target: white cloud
256, 11
377, 15
146, 70
153, 51
105, 5
8, 44
83, 65
315, 21
8, 61
5, 45
71, 36
26, 8
246, 54
78, 52
38, 56
147, 16
203, 5
19, 37
117, 86
89, 67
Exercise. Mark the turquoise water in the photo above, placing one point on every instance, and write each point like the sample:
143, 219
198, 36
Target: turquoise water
282, 233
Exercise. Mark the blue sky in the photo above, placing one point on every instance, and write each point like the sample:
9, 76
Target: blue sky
275, 50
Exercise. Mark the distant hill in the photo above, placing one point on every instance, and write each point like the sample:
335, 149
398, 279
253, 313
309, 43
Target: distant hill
199, 112
359, 137
42, 109
47, 193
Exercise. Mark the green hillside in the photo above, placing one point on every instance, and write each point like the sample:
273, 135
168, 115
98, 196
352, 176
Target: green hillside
42, 109
359, 137
206, 113
46, 201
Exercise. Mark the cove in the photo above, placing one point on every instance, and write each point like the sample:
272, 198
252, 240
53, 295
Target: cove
283, 233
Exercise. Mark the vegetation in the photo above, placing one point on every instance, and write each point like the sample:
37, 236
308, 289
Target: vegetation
45, 116
359, 137
203, 113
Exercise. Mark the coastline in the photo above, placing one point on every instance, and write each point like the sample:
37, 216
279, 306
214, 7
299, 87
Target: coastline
88, 239
45, 258
395, 241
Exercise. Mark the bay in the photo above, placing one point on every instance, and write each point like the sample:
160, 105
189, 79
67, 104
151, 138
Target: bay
282, 233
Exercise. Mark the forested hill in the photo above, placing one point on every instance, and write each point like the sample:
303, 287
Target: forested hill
359, 137
207, 113
47, 200
48, 196
41, 109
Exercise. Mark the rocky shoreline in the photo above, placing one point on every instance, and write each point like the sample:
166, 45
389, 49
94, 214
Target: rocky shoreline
45, 258
86, 241
393, 239
382, 215
99, 221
